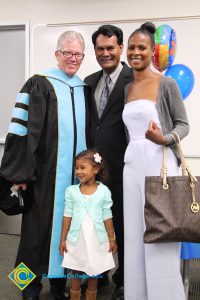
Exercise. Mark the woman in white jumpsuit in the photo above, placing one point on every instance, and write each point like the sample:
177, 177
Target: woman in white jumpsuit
152, 272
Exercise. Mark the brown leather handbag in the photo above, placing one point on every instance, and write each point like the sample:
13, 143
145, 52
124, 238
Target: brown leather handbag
172, 211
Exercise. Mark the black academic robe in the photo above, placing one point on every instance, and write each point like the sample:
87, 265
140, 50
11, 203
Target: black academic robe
46, 131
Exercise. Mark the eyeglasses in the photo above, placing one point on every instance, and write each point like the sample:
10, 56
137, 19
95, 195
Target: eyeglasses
68, 54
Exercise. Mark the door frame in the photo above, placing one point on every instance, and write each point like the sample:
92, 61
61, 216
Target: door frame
26, 26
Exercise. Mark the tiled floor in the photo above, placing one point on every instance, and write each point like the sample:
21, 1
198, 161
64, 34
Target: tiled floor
8, 290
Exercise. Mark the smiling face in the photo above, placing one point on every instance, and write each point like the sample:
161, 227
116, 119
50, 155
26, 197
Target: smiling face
69, 65
85, 170
139, 52
108, 52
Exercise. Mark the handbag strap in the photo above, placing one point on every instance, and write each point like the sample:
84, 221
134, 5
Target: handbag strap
185, 168
164, 169
185, 171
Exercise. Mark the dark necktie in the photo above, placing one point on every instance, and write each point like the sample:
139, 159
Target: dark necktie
104, 95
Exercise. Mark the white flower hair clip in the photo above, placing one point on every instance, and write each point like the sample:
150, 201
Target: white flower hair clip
97, 158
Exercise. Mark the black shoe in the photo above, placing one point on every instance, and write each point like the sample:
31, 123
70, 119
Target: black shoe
104, 281
118, 278
118, 293
59, 294
31, 298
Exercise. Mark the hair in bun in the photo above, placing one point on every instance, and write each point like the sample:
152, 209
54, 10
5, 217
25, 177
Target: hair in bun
148, 26
148, 29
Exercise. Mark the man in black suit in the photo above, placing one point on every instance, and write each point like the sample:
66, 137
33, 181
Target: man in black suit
107, 132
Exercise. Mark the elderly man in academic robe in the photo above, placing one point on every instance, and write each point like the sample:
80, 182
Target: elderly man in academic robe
47, 130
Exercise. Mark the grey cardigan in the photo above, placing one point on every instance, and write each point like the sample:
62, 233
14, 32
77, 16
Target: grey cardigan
171, 111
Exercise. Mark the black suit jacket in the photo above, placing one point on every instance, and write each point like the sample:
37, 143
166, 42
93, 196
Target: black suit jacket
107, 133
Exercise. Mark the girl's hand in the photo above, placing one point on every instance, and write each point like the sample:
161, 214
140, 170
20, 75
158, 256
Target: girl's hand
63, 247
154, 134
112, 247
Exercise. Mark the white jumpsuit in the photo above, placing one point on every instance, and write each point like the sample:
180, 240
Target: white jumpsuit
152, 272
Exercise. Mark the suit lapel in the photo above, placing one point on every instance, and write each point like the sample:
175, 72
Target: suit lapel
93, 84
124, 78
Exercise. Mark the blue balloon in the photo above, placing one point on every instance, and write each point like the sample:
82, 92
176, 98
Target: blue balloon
183, 76
190, 250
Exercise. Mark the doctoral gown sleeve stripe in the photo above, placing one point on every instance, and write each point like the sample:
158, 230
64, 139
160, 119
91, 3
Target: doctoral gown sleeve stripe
18, 158
18, 129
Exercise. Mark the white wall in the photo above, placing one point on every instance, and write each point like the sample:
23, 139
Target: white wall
76, 11
65, 11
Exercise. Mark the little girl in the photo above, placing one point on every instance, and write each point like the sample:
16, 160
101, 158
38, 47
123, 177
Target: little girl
87, 237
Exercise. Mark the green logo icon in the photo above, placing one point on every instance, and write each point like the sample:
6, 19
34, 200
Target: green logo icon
22, 276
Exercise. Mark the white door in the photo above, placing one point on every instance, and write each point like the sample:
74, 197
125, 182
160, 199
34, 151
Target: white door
12, 76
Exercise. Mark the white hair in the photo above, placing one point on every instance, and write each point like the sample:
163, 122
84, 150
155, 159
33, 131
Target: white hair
70, 36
